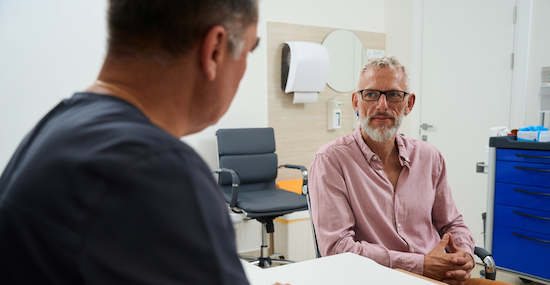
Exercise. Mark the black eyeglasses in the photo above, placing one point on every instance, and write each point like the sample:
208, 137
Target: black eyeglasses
374, 95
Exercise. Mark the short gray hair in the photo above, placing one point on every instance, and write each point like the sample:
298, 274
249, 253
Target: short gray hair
384, 61
235, 32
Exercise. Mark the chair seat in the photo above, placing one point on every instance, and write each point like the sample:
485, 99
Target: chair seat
269, 202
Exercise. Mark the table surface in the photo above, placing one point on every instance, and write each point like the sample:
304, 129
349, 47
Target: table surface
345, 268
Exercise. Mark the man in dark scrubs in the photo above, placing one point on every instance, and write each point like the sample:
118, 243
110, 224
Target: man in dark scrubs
102, 191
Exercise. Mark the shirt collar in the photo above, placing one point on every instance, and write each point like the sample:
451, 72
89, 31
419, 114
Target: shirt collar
404, 152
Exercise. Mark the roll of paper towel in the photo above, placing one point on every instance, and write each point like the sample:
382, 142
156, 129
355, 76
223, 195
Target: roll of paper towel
305, 97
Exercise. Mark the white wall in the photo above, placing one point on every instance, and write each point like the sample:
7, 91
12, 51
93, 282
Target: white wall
48, 50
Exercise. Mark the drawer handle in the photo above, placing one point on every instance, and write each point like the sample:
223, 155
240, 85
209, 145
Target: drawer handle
533, 156
527, 215
535, 169
522, 236
530, 192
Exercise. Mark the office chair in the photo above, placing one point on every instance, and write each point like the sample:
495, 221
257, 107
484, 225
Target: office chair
248, 168
490, 268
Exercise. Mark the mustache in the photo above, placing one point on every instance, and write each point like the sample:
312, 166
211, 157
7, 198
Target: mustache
381, 114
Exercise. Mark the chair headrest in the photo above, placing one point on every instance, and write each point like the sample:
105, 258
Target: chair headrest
245, 141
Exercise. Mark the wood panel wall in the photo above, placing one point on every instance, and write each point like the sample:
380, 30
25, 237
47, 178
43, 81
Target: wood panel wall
301, 129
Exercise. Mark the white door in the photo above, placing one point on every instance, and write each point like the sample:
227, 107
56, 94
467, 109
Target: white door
466, 89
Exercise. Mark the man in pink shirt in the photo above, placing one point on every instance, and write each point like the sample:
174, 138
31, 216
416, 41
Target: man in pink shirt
385, 196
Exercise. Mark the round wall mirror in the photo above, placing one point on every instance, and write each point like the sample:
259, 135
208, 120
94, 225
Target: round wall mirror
347, 57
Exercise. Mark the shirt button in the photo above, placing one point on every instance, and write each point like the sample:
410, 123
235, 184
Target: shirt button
398, 225
380, 171
412, 249
374, 157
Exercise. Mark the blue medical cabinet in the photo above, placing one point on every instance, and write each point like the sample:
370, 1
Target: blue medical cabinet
518, 207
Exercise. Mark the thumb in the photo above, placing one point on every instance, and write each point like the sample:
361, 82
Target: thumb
452, 247
443, 242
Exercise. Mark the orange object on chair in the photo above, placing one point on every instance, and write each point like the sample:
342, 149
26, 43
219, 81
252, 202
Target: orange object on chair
294, 185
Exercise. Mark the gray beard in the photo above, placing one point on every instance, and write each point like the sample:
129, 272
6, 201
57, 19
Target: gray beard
381, 133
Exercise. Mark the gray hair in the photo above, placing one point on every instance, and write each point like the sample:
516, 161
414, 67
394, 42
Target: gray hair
384, 61
235, 31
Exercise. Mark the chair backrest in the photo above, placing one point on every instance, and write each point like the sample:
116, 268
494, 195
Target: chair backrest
251, 153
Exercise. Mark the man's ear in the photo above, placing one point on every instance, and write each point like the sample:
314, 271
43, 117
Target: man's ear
354, 101
213, 51
410, 103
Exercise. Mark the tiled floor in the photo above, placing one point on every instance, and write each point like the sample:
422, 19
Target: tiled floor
503, 276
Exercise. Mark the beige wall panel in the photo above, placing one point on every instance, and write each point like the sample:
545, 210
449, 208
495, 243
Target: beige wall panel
301, 129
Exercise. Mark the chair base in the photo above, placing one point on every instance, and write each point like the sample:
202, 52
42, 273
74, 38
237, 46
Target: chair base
263, 261
266, 262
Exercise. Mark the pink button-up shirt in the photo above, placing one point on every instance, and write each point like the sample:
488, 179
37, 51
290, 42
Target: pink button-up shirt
355, 208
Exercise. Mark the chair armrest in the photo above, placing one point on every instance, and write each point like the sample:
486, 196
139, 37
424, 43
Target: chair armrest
235, 181
488, 262
304, 175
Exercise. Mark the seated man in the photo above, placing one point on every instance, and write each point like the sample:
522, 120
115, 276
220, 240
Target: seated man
385, 196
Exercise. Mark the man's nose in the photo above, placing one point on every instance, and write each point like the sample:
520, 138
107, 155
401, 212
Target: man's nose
382, 103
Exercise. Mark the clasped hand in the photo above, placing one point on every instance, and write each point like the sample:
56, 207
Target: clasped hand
452, 268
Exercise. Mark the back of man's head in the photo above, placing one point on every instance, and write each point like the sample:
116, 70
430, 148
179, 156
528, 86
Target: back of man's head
170, 28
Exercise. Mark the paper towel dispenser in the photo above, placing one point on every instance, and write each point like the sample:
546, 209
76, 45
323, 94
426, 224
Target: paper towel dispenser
304, 69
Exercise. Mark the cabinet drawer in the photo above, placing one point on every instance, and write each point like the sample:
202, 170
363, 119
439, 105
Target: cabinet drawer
521, 253
537, 198
522, 219
534, 174
522, 155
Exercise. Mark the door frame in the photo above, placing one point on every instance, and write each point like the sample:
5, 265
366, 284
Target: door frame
520, 73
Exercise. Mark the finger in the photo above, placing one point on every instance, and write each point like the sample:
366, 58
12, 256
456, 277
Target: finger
443, 242
466, 261
460, 264
471, 261
460, 260
460, 275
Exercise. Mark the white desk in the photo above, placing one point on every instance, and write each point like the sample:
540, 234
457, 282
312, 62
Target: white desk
346, 268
